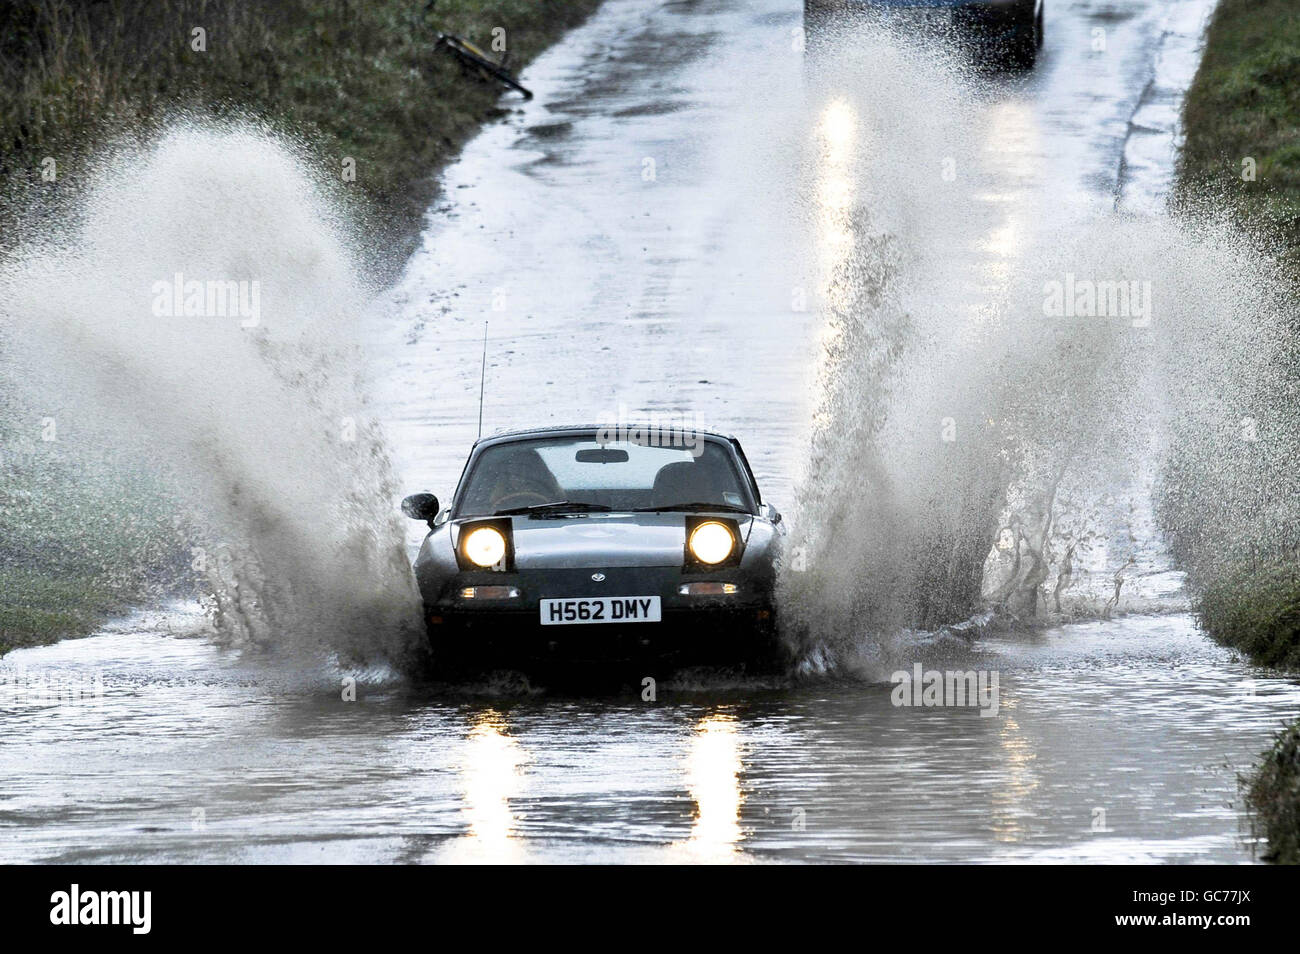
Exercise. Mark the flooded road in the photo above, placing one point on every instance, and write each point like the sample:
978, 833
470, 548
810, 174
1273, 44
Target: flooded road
659, 231
1113, 743
641, 234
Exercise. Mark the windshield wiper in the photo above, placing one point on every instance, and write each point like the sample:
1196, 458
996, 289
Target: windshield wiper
695, 506
556, 507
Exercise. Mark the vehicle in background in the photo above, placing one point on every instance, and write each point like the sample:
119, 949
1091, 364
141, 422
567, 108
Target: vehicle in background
1009, 30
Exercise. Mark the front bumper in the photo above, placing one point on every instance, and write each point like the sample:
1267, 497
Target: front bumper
733, 630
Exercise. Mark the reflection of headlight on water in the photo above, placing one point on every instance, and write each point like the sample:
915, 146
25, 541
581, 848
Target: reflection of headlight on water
1011, 145
490, 776
835, 191
837, 128
837, 132
713, 770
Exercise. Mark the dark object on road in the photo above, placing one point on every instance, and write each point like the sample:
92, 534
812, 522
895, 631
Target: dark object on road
475, 58
472, 57
1010, 30
570, 550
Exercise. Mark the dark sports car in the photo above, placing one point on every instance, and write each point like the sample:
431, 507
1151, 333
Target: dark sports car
1012, 30
571, 547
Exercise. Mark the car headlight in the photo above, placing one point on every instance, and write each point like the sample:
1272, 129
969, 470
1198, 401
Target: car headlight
484, 546
711, 542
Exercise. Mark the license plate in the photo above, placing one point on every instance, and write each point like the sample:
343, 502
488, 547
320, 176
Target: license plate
603, 609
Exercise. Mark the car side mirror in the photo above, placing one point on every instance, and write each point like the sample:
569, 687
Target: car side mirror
421, 507
773, 515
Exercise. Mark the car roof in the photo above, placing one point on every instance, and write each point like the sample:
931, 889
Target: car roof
547, 430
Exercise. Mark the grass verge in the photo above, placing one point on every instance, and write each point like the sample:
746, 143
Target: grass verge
1242, 117
1274, 798
80, 540
359, 79
1242, 120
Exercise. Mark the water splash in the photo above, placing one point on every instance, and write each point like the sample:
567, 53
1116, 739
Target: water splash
973, 448
256, 416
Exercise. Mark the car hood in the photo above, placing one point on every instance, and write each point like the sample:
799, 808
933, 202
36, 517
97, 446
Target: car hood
605, 540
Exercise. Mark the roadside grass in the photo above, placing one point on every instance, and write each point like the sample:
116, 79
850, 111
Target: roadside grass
1245, 105
1244, 109
344, 78
44, 608
1257, 612
1274, 798
80, 539
348, 78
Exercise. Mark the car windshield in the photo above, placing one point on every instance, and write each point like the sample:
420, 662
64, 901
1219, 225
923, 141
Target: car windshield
577, 474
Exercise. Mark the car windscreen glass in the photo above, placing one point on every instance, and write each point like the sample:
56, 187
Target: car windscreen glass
620, 475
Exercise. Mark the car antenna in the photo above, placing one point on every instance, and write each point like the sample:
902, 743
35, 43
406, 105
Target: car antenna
482, 377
